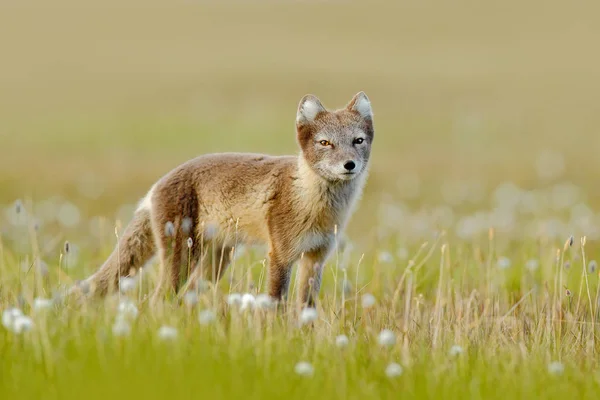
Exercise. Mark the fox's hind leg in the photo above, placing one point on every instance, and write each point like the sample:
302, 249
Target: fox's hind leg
213, 264
179, 253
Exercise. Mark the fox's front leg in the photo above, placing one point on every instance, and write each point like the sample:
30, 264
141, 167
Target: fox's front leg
310, 274
279, 271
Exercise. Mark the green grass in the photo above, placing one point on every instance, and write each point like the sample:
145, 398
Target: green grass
512, 323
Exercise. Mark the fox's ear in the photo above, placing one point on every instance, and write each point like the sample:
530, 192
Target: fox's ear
308, 109
362, 105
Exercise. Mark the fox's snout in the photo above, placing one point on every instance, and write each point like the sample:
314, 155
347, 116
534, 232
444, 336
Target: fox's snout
349, 165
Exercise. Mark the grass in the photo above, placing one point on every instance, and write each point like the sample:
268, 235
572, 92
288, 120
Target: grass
481, 317
484, 165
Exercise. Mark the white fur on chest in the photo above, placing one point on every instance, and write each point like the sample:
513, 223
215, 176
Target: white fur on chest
312, 240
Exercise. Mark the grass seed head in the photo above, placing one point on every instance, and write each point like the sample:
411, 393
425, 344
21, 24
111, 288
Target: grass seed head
167, 333
304, 368
342, 341
206, 317
308, 315
556, 368
368, 300
41, 304
169, 229
393, 370
248, 301
121, 327
9, 315
387, 338
234, 299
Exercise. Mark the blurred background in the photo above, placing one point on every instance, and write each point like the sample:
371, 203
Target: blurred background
476, 103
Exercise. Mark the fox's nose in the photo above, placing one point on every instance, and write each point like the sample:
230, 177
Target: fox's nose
349, 165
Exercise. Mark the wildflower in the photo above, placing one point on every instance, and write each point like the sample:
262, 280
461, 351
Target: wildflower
9, 315
167, 332
368, 300
385, 257
264, 301
22, 324
308, 315
126, 284
190, 299
121, 327
394, 370
456, 350
127, 309
556, 368
592, 266
504, 263
248, 301
532, 264
234, 299
341, 341
40, 304
206, 317
304, 368
169, 229
190, 243
387, 338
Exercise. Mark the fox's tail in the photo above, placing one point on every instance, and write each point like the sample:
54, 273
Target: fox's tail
135, 247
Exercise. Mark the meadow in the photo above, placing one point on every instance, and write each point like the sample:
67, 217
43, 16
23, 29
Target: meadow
469, 270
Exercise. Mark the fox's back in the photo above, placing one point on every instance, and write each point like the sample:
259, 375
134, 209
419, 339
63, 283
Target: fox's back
226, 188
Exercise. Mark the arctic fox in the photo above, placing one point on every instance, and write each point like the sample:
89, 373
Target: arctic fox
195, 215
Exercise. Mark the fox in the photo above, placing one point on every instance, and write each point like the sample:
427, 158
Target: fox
194, 216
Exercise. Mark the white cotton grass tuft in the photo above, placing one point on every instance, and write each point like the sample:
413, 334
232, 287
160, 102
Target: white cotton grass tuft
304, 368
368, 300
264, 302
308, 315
166, 332
169, 229
9, 315
206, 317
342, 341
248, 301
127, 284
127, 309
394, 370
121, 327
387, 338
556, 368
190, 298
532, 264
21, 324
234, 299
385, 257
456, 350
504, 263
41, 304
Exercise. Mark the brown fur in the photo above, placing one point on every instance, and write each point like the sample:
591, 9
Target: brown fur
294, 204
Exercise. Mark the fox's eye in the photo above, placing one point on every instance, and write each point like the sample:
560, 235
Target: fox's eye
358, 140
325, 143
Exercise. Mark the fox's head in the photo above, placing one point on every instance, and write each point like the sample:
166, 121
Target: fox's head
336, 144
